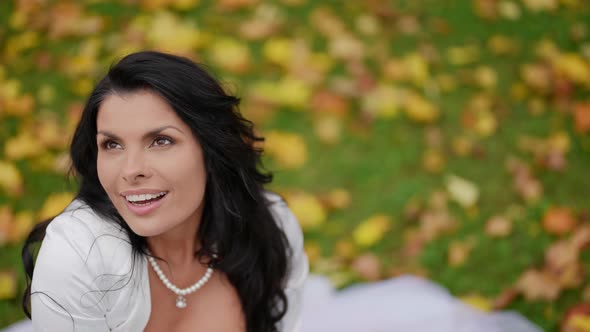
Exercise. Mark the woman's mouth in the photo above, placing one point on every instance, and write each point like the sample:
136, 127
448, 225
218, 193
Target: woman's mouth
143, 204
145, 199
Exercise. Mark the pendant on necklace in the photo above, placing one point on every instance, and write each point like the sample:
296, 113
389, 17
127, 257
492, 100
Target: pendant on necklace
180, 302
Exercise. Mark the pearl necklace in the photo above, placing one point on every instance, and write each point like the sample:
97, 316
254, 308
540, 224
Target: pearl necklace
181, 293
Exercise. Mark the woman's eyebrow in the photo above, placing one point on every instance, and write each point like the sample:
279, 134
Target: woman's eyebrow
146, 135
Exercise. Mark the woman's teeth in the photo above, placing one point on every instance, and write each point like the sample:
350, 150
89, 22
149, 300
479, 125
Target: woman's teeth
144, 199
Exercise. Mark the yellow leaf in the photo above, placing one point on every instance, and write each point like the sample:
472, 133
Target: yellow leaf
46, 94
458, 253
345, 249
7, 285
541, 5
417, 68
486, 77
462, 191
478, 302
307, 208
6, 220
15, 45
55, 204
383, 101
347, 47
82, 87
11, 180
231, 55
22, 225
313, 251
288, 149
462, 55
278, 51
433, 160
371, 230
420, 110
50, 133
25, 145
167, 32
509, 10
579, 323
328, 129
185, 4
339, 198
287, 92
574, 67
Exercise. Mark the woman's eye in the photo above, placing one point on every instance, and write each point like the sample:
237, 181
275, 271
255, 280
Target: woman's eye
109, 145
161, 141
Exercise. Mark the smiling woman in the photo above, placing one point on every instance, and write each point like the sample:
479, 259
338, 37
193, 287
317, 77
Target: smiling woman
172, 228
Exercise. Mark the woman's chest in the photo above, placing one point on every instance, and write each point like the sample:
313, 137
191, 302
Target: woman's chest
215, 307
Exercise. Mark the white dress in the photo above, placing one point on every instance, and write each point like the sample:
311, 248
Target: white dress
402, 304
83, 279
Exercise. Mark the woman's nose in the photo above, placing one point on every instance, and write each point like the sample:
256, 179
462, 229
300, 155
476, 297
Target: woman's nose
135, 168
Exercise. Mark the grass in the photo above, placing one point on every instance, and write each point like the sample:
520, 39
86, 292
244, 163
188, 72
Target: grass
381, 165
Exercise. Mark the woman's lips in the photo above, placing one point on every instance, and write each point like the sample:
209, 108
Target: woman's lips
145, 209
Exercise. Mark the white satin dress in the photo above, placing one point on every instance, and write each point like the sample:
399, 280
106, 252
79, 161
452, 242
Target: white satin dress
74, 270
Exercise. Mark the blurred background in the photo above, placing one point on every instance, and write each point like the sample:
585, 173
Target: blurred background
439, 138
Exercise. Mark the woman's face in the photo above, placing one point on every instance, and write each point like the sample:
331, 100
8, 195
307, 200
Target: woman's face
149, 163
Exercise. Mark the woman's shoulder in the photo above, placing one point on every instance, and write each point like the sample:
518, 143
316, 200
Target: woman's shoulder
285, 218
298, 262
80, 217
97, 241
85, 267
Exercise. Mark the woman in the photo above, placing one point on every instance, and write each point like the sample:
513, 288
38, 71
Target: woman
171, 229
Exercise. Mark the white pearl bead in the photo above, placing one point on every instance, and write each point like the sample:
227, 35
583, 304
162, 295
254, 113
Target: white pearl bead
173, 287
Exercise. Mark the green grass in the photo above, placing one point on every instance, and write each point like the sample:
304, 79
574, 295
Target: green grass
382, 168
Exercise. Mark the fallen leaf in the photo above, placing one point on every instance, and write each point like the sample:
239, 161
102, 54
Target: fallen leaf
433, 160
278, 51
231, 55
383, 101
537, 285
8, 284
541, 5
345, 249
509, 10
503, 45
6, 221
325, 101
458, 253
288, 91
307, 208
420, 110
328, 129
559, 220
576, 318
581, 113
498, 226
367, 266
168, 32
11, 180
462, 55
478, 302
346, 47
55, 204
21, 226
288, 149
232, 5
371, 230
367, 24
462, 191
486, 9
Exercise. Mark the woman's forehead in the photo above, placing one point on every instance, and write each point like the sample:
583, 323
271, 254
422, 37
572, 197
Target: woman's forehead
141, 110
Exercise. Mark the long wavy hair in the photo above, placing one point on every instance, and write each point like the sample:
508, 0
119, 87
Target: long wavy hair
236, 225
